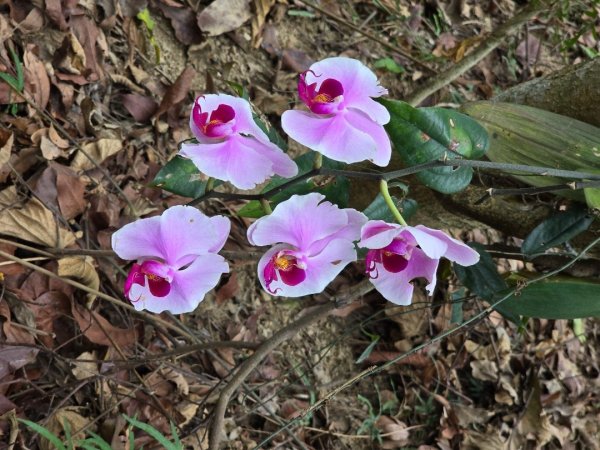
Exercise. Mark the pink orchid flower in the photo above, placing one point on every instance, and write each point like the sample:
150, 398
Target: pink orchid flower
344, 122
176, 258
231, 146
399, 254
314, 242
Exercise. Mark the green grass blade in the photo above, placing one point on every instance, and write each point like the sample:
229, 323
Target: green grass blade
157, 435
44, 432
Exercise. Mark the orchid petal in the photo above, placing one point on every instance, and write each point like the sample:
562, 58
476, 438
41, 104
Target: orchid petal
139, 240
293, 222
186, 231
188, 288
383, 146
358, 81
333, 136
456, 251
378, 234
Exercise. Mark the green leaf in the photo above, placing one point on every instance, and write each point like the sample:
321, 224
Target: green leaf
592, 197
422, 135
153, 432
484, 280
96, 440
388, 64
180, 176
336, 190
378, 209
367, 352
557, 230
45, 433
557, 298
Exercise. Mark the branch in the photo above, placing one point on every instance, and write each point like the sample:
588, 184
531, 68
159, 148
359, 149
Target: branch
575, 185
387, 176
376, 369
284, 334
454, 71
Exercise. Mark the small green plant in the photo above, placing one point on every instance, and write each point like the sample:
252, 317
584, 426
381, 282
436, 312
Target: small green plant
95, 442
16, 82
369, 425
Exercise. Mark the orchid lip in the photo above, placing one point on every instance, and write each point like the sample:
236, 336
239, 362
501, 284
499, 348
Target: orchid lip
285, 267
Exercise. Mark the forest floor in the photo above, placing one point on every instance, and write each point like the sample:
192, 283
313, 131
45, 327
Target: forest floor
107, 79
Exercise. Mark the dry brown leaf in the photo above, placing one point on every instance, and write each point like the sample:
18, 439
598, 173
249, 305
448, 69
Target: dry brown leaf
31, 221
36, 79
184, 22
100, 331
70, 192
261, 11
396, 433
81, 269
6, 144
89, 35
49, 149
98, 151
222, 16
413, 320
56, 425
177, 92
84, 368
141, 107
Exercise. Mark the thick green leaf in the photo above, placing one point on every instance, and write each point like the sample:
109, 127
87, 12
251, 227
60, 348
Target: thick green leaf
335, 189
378, 209
484, 280
422, 135
557, 298
592, 197
557, 230
180, 176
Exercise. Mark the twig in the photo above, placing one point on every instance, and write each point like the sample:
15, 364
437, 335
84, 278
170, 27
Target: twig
388, 176
374, 38
575, 185
263, 351
448, 75
467, 323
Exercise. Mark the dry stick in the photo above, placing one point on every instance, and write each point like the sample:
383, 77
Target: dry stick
467, 323
575, 185
263, 351
448, 75
353, 27
152, 319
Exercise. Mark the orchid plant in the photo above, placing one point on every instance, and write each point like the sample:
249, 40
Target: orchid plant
312, 239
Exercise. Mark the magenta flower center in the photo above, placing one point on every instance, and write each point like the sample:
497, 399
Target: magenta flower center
394, 258
327, 100
285, 266
158, 275
218, 125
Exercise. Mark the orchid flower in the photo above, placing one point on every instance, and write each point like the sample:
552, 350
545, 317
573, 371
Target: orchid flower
344, 122
314, 242
399, 254
231, 146
176, 258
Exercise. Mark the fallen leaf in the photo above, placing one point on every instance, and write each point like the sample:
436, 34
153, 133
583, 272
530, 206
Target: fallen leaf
33, 22
527, 51
100, 331
395, 431
7, 267
222, 16
6, 144
49, 149
141, 107
261, 11
89, 35
177, 92
51, 310
61, 419
55, 12
98, 151
80, 269
70, 192
31, 221
184, 22
37, 82
84, 368
296, 60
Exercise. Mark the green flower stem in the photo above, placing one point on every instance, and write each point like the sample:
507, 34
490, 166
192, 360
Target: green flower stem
318, 161
210, 184
383, 186
266, 206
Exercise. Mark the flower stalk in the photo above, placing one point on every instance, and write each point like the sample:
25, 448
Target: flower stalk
383, 187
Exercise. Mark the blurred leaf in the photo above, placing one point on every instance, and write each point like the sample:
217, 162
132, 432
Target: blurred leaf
484, 280
389, 64
557, 298
557, 230
592, 197
336, 189
367, 352
421, 135
180, 176
378, 209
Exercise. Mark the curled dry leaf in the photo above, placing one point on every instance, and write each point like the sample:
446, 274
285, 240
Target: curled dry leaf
98, 151
31, 221
184, 23
222, 16
261, 10
100, 331
49, 149
80, 269
36, 79
83, 367
63, 419
6, 144
13, 357
395, 431
177, 92
141, 107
